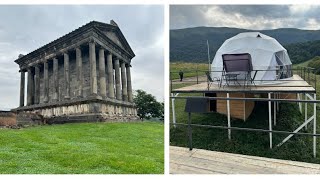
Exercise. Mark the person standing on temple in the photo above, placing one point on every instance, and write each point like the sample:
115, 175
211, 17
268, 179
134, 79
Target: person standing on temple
181, 75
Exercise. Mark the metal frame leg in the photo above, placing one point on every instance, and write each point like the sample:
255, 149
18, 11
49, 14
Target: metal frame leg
314, 126
173, 109
229, 119
274, 111
306, 110
270, 121
189, 131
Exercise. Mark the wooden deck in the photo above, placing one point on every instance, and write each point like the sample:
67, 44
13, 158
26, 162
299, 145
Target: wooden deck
296, 84
197, 161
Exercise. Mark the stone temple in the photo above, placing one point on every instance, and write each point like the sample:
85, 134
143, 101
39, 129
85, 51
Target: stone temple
80, 77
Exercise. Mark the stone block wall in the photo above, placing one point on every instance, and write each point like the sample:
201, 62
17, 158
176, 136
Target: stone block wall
7, 118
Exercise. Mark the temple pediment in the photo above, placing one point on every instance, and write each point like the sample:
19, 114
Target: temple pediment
113, 32
114, 38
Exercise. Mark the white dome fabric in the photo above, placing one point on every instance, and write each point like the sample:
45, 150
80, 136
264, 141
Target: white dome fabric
266, 53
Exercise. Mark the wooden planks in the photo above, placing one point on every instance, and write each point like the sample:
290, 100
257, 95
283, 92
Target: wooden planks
296, 85
238, 109
197, 161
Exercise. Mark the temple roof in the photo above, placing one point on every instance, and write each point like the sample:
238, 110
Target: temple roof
110, 31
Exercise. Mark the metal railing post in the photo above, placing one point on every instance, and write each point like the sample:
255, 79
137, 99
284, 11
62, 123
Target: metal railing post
308, 75
314, 126
270, 121
190, 131
197, 77
170, 82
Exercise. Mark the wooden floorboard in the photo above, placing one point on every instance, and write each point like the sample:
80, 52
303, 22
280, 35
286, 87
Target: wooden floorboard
198, 161
298, 84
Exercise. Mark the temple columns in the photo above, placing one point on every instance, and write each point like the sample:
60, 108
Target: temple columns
66, 75
79, 71
110, 76
22, 84
130, 99
102, 74
117, 78
124, 82
36, 85
55, 80
30, 87
46, 82
113, 86
93, 68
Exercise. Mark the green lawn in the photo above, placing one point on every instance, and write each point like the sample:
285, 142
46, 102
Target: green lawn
84, 148
189, 69
298, 148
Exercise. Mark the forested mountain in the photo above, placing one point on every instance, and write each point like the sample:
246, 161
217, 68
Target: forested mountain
190, 44
301, 52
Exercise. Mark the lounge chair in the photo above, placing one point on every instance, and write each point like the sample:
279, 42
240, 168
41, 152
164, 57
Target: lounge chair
235, 65
211, 80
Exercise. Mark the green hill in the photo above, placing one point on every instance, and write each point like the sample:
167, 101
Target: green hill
301, 52
189, 45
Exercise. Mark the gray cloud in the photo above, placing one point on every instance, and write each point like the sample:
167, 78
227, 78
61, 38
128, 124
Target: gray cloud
26, 28
246, 16
186, 14
268, 11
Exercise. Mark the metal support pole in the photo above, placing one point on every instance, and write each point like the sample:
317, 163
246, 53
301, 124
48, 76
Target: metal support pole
315, 81
278, 97
314, 125
270, 121
189, 131
308, 75
197, 77
173, 111
170, 82
274, 111
208, 83
306, 110
228, 111
299, 103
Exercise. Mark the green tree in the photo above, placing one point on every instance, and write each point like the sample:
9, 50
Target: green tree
315, 63
147, 105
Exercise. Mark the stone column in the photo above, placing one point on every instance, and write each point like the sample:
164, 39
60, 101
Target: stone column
55, 79
117, 78
79, 71
110, 76
130, 99
45, 82
93, 68
22, 84
124, 81
30, 87
102, 74
36, 84
66, 75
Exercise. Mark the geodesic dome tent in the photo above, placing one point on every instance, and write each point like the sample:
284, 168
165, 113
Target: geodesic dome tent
266, 54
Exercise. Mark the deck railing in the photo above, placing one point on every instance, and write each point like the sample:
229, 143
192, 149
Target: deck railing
306, 73
270, 131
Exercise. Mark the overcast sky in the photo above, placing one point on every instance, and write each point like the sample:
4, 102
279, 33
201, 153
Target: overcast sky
25, 28
255, 17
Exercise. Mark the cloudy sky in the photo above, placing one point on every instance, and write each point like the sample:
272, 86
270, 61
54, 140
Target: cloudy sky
255, 17
26, 28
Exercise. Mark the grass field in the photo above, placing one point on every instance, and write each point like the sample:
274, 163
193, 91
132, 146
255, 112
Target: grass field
189, 69
85, 148
298, 148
